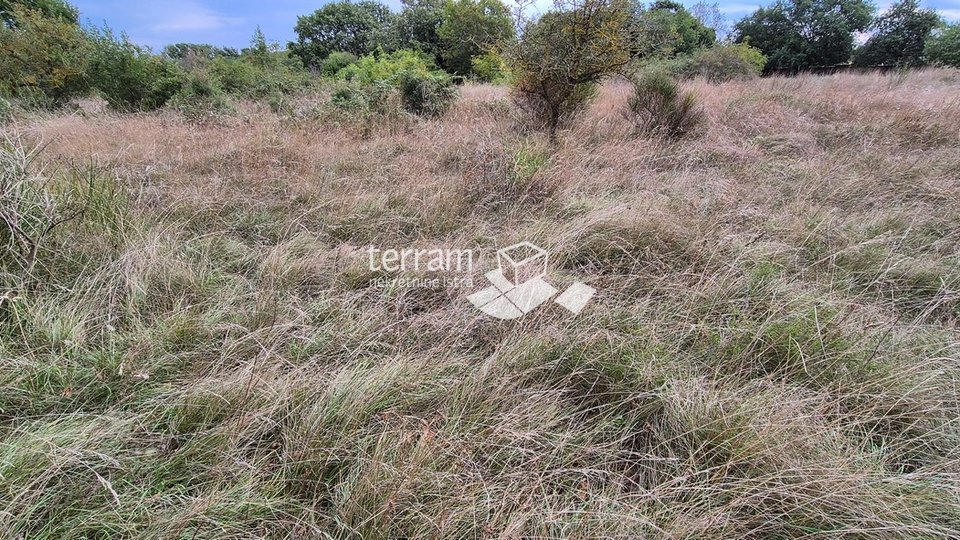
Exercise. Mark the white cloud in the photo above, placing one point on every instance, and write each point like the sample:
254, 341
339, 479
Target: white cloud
950, 14
190, 16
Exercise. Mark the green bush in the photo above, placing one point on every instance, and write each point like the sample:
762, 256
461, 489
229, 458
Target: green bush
657, 106
42, 60
200, 97
717, 64
128, 76
259, 75
335, 62
489, 67
423, 90
943, 49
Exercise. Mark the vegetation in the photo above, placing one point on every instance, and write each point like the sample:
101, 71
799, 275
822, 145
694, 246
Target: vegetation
899, 36
772, 352
193, 343
559, 59
470, 29
658, 106
796, 34
943, 48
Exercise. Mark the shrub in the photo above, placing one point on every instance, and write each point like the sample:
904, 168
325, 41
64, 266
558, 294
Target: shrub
43, 60
658, 106
489, 67
423, 90
128, 76
943, 49
335, 62
428, 94
560, 58
717, 64
200, 97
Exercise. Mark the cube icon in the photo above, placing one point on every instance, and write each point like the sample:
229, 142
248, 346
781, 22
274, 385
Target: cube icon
522, 262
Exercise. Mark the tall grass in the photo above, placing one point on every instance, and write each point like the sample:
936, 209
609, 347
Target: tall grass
772, 352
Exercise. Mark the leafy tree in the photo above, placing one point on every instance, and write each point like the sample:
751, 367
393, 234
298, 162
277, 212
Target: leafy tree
668, 29
559, 59
341, 26
943, 47
796, 34
42, 58
469, 29
51, 9
899, 36
416, 27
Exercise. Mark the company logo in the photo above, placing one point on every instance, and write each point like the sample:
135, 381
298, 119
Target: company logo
518, 286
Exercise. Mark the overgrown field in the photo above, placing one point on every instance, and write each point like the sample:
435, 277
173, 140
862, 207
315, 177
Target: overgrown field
773, 352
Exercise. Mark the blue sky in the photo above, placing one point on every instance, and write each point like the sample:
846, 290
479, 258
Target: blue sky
232, 22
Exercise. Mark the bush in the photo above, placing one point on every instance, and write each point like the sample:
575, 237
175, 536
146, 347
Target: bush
489, 67
943, 49
200, 98
335, 62
429, 94
43, 60
423, 90
717, 64
128, 76
658, 106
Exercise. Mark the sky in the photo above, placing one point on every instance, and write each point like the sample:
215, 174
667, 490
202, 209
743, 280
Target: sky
231, 23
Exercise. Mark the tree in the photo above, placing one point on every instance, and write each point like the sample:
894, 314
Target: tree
668, 29
797, 34
471, 28
899, 36
559, 58
340, 26
416, 27
187, 51
51, 9
711, 17
943, 47
42, 58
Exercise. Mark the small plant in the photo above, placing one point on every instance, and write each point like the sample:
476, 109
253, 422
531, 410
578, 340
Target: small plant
428, 94
6, 111
658, 106
200, 98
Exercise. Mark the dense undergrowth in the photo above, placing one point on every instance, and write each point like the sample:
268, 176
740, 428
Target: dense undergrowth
196, 350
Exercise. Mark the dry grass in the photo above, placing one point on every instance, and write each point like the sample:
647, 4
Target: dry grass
773, 352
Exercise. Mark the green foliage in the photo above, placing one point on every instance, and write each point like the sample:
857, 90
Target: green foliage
423, 89
416, 27
943, 48
489, 67
560, 58
340, 26
426, 94
49, 9
471, 28
185, 52
43, 60
668, 29
659, 107
200, 98
336, 61
797, 34
899, 36
717, 64
128, 76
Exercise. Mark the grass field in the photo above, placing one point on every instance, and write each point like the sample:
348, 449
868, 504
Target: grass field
773, 351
